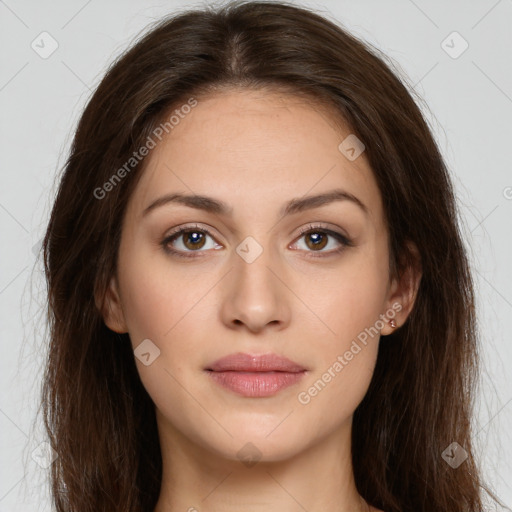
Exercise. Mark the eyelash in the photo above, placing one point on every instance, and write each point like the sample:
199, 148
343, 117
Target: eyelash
345, 242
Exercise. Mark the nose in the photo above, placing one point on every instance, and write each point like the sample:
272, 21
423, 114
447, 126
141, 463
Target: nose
255, 295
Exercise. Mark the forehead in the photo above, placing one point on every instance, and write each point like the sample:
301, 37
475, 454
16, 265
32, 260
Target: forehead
255, 150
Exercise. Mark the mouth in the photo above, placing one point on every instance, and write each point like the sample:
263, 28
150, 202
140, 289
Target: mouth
255, 376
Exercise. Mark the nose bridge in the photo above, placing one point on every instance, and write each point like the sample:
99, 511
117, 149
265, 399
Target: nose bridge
256, 296
253, 262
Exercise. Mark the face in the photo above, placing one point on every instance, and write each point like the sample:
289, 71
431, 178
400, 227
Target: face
272, 274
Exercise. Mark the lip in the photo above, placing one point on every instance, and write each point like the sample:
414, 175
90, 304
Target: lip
241, 362
255, 375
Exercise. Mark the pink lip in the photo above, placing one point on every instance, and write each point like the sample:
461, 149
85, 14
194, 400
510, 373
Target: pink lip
260, 363
255, 376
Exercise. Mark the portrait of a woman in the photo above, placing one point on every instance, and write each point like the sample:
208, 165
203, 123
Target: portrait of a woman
259, 297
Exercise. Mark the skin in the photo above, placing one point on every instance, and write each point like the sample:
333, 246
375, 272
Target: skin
255, 150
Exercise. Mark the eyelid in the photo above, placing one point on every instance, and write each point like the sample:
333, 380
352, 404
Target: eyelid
180, 229
320, 227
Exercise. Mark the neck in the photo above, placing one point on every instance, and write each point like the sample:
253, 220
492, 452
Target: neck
319, 478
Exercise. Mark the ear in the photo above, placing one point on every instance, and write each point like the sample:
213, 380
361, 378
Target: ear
111, 308
403, 291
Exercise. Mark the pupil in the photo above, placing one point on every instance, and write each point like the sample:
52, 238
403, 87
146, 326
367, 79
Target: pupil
194, 235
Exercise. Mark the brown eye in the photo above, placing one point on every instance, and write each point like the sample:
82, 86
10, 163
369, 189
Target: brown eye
316, 240
192, 239
187, 240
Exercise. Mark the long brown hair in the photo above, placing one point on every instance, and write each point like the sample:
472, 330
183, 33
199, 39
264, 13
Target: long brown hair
99, 418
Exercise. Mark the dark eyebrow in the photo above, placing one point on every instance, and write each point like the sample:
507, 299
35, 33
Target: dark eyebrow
299, 204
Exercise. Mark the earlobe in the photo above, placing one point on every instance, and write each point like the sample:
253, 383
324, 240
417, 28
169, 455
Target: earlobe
112, 310
403, 293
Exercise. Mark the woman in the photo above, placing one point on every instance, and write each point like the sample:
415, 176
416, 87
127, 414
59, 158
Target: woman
259, 296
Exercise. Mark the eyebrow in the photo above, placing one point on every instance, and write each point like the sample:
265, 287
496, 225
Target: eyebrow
296, 205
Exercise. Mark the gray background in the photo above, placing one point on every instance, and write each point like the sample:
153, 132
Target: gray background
468, 103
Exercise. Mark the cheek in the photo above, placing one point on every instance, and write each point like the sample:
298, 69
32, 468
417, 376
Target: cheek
346, 355
168, 305
157, 294
148, 306
349, 304
349, 299
162, 303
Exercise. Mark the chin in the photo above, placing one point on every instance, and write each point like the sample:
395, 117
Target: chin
250, 446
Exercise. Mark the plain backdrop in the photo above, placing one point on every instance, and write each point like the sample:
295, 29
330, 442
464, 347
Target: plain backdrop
465, 80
